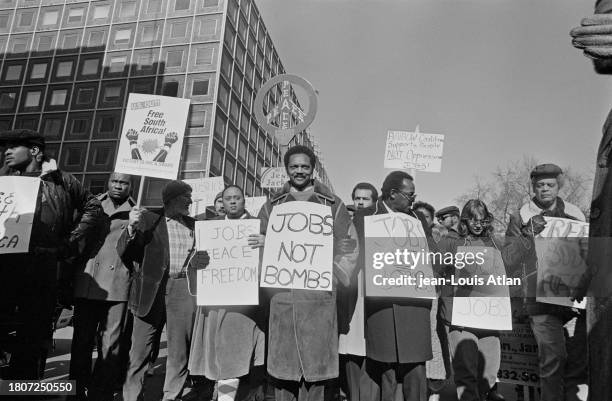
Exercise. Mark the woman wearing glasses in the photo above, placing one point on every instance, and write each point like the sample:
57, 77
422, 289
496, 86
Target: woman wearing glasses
475, 352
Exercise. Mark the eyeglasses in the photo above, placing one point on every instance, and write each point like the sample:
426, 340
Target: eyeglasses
483, 222
410, 197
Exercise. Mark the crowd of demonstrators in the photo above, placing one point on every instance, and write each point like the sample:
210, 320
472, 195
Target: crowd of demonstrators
136, 268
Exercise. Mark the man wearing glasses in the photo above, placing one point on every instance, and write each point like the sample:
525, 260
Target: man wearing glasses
448, 217
397, 331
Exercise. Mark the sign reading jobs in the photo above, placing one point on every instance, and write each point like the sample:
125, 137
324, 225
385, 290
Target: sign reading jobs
388, 234
299, 247
414, 150
203, 192
17, 206
231, 278
152, 136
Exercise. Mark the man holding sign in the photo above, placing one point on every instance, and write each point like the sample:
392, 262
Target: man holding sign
303, 327
560, 331
29, 280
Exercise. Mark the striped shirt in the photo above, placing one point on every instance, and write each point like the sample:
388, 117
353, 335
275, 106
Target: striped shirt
180, 240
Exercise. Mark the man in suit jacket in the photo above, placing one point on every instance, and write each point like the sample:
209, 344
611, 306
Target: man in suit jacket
158, 246
101, 292
397, 331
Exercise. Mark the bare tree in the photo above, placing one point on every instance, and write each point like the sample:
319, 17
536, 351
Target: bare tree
509, 187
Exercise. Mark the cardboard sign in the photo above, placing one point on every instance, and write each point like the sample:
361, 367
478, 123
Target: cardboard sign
558, 251
273, 177
299, 247
253, 203
484, 301
386, 234
204, 192
414, 150
232, 276
17, 206
152, 136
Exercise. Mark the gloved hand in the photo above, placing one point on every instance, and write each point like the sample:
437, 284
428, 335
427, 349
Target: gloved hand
200, 260
594, 36
534, 226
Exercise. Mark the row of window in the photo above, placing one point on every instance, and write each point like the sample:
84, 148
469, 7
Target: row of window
118, 37
175, 60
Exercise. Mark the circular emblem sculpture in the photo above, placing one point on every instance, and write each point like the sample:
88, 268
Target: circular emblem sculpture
286, 105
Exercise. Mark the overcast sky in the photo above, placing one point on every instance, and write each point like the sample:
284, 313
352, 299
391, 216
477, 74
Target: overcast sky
499, 78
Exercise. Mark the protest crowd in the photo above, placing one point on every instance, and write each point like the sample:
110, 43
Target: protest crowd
316, 325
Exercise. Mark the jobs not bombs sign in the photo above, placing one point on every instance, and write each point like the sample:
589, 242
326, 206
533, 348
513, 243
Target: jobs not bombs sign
386, 275
560, 263
414, 150
152, 136
299, 247
17, 207
232, 276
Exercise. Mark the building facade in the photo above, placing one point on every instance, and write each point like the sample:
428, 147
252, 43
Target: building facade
69, 65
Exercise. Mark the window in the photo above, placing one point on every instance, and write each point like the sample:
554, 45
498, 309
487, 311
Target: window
230, 165
144, 62
101, 11
39, 71
127, 9
44, 43
154, 6
26, 18
75, 15
73, 156
170, 89
96, 38
242, 150
142, 86
102, 155
13, 72
27, 123
204, 56
211, 3
232, 136
122, 36
148, 33
208, 27
58, 97
220, 124
117, 64
85, 96
174, 58
197, 117
224, 93
106, 125
181, 5
33, 99
178, 30
52, 127
199, 88
64, 69
50, 17
4, 19
90, 66
226, 66
79, 127
7, 100
112, 93
20, 45
70, 41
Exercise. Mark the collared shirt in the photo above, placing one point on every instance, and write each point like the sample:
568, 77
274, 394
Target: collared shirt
180, 241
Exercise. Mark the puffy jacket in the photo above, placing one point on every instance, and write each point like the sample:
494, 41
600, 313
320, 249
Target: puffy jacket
520, 255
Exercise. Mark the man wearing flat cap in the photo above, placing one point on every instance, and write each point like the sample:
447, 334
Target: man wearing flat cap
28, 289
158, 246
559, 331
448, 217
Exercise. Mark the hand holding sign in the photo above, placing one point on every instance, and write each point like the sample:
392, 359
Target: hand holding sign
200, 260
256, 240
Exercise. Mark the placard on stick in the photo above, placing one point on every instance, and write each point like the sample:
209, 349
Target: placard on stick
485, 306
558, 251
17, 207
414, 150
232, 276
299, 247
203, 192
152, 136
388, 233
273, 177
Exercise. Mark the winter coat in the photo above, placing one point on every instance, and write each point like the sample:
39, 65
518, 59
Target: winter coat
105, 277
226, 340
147, 255
396, 330
303, 328
520, 254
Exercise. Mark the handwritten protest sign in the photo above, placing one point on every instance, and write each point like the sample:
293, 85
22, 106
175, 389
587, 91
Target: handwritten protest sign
273, 177
299, 247
560, 264
414, 150
17, 207
484, 301
232, 276
203, 192
254, 203
152, 136
386, 234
